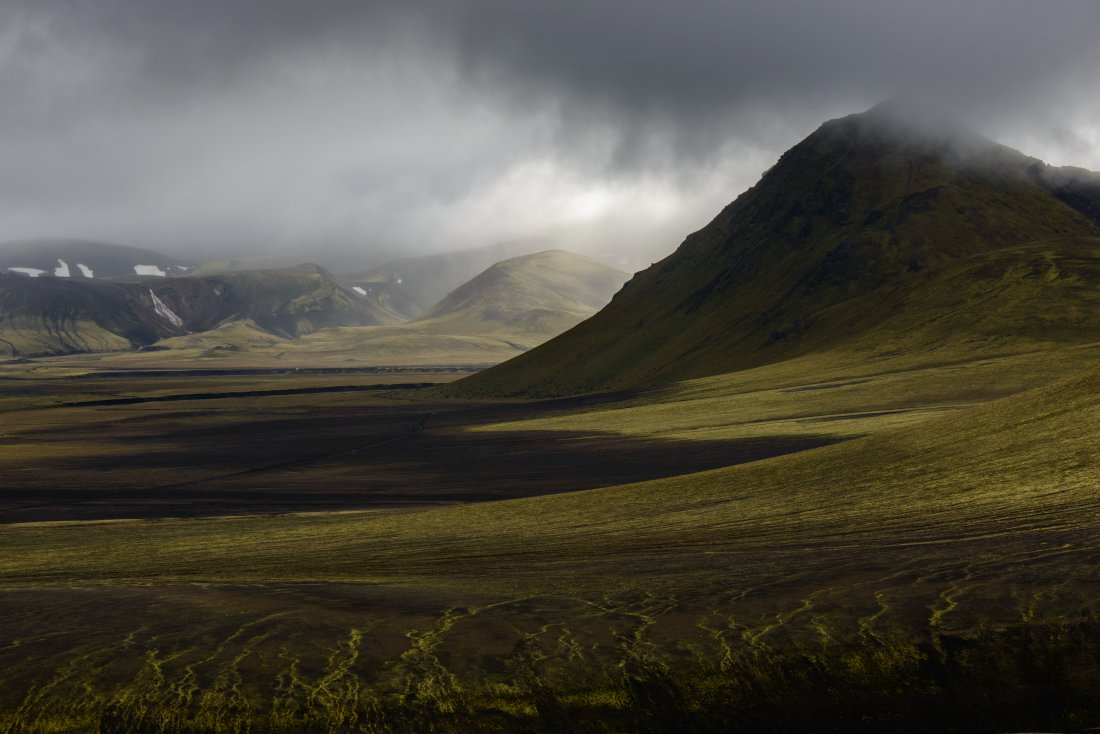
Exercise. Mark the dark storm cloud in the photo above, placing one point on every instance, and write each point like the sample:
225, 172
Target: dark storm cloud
288, 125
697, 67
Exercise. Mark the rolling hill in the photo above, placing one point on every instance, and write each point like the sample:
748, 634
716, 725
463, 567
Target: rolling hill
410, 286
64, 315
880, 229
81, 259
507, 309
511, 307
531, 295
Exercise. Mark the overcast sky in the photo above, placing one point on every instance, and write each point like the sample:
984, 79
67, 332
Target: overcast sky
218, 126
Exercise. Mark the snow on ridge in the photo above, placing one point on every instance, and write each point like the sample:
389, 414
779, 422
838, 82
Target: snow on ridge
164, 312
32, 272
85, 269
149, 270
359, 290
62, 269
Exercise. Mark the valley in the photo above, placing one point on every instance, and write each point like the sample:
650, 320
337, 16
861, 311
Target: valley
835, 532
829, 466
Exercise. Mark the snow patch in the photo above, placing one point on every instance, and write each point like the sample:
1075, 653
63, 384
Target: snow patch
32, 272
62, 269
164, 312
85, 269
149, 270
359, 290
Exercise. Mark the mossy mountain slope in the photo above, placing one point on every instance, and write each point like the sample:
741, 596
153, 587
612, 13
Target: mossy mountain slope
857, 225
59, 315
505, 310
540, 294
410, 286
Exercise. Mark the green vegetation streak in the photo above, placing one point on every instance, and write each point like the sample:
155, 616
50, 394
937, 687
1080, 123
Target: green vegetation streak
940, 574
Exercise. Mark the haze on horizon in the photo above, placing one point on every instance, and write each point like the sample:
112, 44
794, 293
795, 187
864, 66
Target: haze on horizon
255, 126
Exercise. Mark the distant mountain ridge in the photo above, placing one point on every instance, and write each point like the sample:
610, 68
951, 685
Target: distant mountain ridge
85, 259
851, 236
511, 306
503, 311
61, 315
542, 293
411, 286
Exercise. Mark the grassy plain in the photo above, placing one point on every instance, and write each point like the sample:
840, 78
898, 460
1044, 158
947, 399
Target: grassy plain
929, 562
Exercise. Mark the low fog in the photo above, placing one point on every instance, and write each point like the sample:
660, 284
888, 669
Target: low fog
610, 127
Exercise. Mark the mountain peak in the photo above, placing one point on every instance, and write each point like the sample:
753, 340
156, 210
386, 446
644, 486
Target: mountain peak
895, 200
909, 125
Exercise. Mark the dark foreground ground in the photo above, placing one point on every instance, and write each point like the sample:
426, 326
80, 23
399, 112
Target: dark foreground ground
325, 553
155, 446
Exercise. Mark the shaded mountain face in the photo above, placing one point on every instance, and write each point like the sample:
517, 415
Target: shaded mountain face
533, 295
411, 286
503, 311
62, 315
85, 260
854, 229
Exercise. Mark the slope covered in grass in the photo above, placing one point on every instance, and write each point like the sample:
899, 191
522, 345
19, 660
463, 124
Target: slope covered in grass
505, 310
63, 315
933, 576
410, 286
544, 293
1017, 462
866, 220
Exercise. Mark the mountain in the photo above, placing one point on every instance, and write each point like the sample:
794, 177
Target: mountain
503, 311
410, 286
63, 315
289, 302
81, 259
335, 260
540, 294
880, 231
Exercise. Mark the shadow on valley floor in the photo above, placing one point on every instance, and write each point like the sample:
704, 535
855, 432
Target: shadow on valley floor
197, 460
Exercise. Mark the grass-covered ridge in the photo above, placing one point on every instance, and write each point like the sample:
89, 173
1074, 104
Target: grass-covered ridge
866, 221
41, 316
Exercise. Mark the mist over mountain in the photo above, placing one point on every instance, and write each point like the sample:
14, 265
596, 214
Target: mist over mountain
82, 259
329, 402
410, 286
258, 127
883, 228
532, 297
52, 315
267, 315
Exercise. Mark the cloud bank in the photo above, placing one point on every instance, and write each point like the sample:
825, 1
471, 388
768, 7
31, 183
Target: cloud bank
251, 126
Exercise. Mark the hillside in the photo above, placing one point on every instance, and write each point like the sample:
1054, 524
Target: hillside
82, 259
64, 315
410, 286
852, 235
540, 294
292, 301
940, 574
509, 308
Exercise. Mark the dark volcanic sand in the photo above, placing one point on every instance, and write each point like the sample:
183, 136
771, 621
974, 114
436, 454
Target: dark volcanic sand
181, 461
